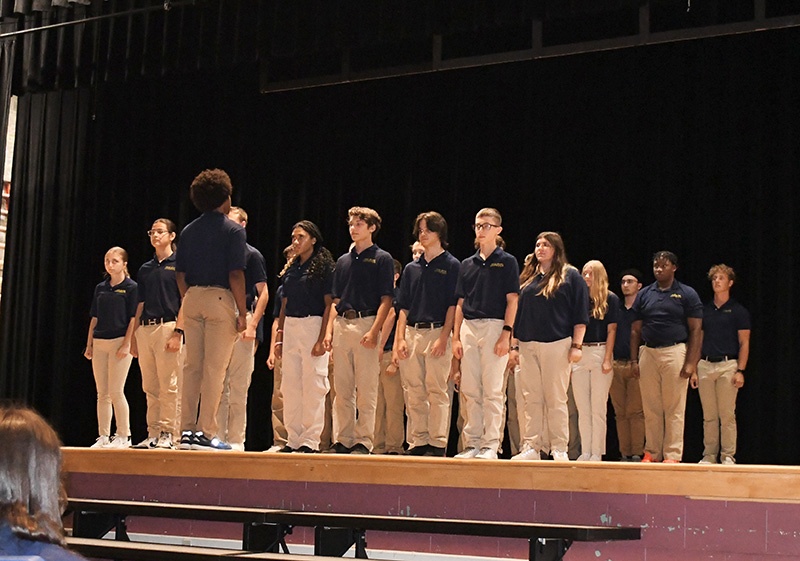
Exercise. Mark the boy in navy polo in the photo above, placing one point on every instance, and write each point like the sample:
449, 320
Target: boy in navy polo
363, 287
232, 414
487, 292
427, 301
210, 267
720, 373
669, 319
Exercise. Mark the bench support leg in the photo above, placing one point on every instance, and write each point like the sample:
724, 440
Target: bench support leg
98, 524
548, 550
265, 537
335, 542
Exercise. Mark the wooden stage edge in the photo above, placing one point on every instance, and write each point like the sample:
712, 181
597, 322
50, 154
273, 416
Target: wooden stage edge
758, 483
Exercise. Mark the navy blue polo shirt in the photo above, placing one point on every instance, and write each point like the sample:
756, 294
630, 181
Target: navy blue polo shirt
622, 346
254, 273
721, 328
360, 280
158, 289
276, 307
211, 247
664, 312
597, 330
390, 341
551, 319
114, 306
305, 296
427, 290
484, 285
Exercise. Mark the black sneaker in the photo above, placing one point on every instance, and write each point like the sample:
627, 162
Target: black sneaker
286, 450
305, 450
418, 450
359, 449
201, 442
340, 448
187, 440
435, 451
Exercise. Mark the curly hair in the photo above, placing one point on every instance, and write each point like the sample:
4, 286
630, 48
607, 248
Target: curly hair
322, 262
210, 189
31, 495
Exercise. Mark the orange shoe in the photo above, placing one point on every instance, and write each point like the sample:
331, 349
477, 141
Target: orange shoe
668, 461
647, 458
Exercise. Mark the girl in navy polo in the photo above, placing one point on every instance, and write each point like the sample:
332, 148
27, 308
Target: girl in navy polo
108, 346
593, 373
551, 321
306, 305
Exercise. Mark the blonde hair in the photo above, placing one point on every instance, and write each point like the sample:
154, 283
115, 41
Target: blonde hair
123, 255
722, 269
557, 274
598, 293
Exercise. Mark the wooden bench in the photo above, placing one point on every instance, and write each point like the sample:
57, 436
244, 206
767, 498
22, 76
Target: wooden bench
334, 534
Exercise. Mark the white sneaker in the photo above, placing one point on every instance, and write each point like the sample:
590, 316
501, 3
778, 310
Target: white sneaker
595, 458
273, 449
120, 442
147, 444
486, 454
467, 453
528, 454
101, 442
584, 458
165, 441
237, 446
728, 461
707, 461
560, 456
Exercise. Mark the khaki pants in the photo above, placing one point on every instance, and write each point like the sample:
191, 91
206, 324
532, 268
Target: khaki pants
110, 374
543, 380
482, 381
389, 425
232, 413
425, 380
161, 378
664, 400
627, 401
513, 413
356, 372
326, 439
718, 397
278, 428
210, 327
590, 386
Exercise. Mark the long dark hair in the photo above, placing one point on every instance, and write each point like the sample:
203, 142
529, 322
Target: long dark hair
322, 262
31, 496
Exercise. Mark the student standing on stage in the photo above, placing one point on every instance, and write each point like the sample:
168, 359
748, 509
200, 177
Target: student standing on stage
108, 346
305, 307
625, 395
551, 321
720, 372
427, 304
389, 423
232, 414
362, 293
158, 338
210, 264
487, 292
669, 319
591, 375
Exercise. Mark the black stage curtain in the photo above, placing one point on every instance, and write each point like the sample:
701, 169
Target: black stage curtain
689, 146
7, 49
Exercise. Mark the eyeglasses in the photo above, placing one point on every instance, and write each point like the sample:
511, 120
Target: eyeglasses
483, 226
152, 233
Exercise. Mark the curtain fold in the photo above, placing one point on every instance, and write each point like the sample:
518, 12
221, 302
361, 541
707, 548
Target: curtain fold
41, 343
7, 50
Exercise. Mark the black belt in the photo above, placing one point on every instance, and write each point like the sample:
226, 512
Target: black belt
352, 314
594, 344
662, 345
156, 321
720, 358
427, 324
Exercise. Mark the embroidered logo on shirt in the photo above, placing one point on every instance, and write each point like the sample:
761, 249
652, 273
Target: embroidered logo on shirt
169, 268
497, 265
674, 295
440, 271
121, 291
369, 260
